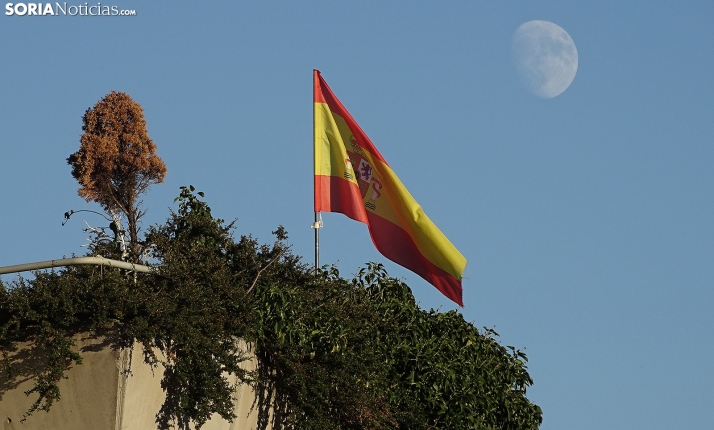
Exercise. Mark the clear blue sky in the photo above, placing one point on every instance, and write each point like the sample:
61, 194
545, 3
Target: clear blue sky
586, 219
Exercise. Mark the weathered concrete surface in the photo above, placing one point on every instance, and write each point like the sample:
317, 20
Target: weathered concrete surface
101, 395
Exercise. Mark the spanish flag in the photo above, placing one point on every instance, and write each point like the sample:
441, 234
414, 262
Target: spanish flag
352, 177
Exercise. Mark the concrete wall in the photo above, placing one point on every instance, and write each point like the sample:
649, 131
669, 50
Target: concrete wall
101, 395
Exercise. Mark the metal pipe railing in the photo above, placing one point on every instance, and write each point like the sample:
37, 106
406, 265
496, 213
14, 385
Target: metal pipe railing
98, 261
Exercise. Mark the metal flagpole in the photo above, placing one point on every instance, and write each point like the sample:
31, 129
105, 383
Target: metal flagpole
317, 226
318, 220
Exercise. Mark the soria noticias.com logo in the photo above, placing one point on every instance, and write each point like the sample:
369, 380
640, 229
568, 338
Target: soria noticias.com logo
65, 9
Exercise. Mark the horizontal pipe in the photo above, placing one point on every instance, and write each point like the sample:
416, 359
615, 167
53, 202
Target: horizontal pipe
97, 261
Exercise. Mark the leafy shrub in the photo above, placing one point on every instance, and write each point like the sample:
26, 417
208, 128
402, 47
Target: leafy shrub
333, 353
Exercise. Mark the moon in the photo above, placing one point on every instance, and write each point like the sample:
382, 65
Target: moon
545, 56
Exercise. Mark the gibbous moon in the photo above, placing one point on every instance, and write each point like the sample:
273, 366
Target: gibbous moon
545, 56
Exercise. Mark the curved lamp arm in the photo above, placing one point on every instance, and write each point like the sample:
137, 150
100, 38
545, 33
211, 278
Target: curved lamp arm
97, 261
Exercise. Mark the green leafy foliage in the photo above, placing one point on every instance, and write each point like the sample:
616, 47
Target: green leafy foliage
450, 375
319, 355
333, 353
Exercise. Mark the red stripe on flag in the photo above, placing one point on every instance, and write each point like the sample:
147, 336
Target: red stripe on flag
396, 244
323, 94
317, 91
335, 194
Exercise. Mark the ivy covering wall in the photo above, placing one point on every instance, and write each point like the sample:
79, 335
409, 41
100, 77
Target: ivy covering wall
333, 352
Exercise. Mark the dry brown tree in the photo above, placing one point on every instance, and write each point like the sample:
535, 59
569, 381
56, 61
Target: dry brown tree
117, 160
